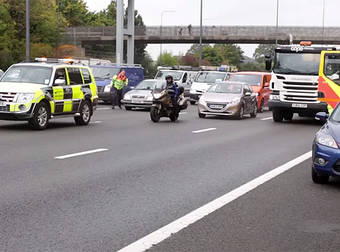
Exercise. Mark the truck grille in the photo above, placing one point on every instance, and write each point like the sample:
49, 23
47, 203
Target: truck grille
7, 97
306, 92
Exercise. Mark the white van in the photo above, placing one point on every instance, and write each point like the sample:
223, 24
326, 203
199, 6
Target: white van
202, 81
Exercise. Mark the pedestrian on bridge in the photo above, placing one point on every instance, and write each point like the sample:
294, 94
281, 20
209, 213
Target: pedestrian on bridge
118, 83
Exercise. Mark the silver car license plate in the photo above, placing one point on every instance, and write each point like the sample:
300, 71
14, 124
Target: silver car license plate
299, 105
215, 106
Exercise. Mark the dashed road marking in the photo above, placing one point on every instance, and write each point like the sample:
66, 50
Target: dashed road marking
96, 122
103, 108
165, 232
80, 153
267, 118
203, 130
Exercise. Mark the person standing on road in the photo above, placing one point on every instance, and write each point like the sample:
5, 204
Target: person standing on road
118, 83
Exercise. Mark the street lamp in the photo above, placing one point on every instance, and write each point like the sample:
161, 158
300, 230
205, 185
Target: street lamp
160, 35
323, 20
201, 35
28, 56
277, 19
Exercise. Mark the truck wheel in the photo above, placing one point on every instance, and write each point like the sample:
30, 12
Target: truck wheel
319, 179
40, 118
192, 102
277, 116
85, 114
288, 115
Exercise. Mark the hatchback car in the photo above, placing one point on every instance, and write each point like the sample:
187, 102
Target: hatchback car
228, 99
326, 148
141, 95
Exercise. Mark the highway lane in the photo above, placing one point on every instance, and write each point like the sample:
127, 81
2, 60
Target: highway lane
151, 174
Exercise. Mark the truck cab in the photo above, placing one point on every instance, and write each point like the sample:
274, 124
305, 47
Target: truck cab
294, 81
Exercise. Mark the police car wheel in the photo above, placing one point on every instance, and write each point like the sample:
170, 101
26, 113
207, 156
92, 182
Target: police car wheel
40, 117
85, 114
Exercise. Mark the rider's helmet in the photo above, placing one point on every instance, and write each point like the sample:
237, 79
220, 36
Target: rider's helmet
169, 77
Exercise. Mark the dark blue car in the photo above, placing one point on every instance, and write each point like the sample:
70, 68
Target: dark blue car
326, 151
103, 75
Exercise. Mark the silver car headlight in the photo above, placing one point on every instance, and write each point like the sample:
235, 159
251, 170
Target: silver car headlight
157, 95
107, 88
235, 101
127, 97
25, 97
326, 140
274, 97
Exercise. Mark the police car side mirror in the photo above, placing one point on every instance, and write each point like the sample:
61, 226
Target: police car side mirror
59, 82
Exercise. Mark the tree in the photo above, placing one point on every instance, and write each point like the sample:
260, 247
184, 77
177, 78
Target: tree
212, 55
231, 54
75, 12
262, 50
166, 59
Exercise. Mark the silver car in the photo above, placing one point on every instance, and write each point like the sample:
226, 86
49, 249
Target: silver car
228, 99
141, 95
1, 73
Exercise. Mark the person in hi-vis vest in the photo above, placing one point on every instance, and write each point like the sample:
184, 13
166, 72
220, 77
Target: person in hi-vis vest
118, 82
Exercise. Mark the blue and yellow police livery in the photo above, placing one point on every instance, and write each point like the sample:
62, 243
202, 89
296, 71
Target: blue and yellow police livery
36, 92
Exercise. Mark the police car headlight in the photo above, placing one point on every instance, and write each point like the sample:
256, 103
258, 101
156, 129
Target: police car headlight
107, 88
327, 140
274, 97
25, 97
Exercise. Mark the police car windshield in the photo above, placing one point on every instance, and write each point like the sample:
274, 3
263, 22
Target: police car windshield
28, 74
297, 63
146, 84
104, 72
209, 77
175, 75
226, 88
251, 79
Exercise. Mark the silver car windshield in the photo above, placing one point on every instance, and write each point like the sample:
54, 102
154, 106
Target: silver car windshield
226, 88
209, 77
28, 74
251, 79
146, 84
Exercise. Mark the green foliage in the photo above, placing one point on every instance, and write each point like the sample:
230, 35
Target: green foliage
263, 50
166, 59
74, 11
252, 66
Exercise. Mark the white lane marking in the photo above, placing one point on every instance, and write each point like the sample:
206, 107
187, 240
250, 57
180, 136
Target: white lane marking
267, 118
96, 122
103, 108
80, 153
203, 130
165, 232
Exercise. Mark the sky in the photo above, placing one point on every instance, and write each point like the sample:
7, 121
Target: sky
229, 12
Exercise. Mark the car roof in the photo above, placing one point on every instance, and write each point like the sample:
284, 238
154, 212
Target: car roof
51, 65
251, 72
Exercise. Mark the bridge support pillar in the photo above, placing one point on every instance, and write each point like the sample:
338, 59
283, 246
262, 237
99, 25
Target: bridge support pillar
131, 32
119, 31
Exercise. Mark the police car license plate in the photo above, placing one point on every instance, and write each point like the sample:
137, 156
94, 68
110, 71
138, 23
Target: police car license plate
299, 105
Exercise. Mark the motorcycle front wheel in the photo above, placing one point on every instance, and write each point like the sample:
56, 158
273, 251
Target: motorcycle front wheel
154, 114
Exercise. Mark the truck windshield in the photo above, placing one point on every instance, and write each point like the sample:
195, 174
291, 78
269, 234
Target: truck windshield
251, 79
163, 73
209, 77
28, 74
104, 72
297, 63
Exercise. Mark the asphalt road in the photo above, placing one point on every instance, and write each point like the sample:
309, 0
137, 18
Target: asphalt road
150, 175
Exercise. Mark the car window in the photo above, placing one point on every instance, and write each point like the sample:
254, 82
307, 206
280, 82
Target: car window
86, 75
75, 76
60, 74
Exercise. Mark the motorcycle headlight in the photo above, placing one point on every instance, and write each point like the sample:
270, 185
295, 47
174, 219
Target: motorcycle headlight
274, 97
25, 97
327, 140
107, 88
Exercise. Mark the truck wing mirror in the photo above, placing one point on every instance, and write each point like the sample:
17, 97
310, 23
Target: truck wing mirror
268, 60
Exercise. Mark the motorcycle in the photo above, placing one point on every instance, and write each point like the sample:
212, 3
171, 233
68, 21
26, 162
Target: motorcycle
162, 105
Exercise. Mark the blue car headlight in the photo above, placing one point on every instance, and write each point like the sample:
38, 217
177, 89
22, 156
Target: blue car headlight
326, 140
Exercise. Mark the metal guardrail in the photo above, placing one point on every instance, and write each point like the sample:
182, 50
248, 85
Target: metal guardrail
242, 33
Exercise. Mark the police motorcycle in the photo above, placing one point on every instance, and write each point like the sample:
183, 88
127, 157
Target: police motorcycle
162, 105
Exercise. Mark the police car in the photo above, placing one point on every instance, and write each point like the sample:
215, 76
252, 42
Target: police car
45, 89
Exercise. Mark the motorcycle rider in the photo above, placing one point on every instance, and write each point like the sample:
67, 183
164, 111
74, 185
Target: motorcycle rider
172, 88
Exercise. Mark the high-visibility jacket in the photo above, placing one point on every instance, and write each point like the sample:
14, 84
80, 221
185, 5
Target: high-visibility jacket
119, 81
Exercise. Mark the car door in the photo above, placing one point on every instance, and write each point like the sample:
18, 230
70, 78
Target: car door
59, 83
74, 92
